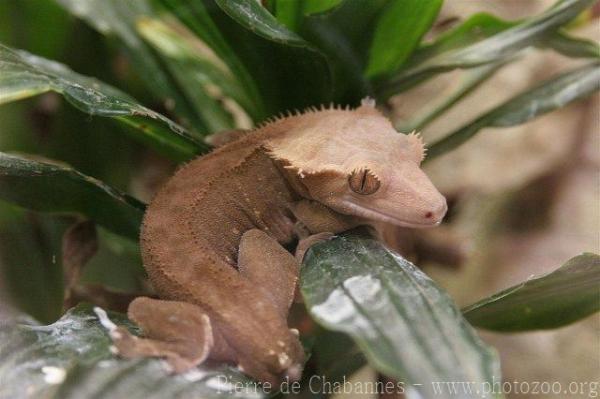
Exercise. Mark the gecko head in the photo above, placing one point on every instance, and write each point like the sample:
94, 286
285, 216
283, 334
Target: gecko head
360, 165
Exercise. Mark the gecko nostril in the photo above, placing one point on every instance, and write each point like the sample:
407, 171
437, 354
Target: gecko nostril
429, 215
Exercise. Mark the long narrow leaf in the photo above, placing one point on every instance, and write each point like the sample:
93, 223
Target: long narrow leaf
344, 35
289, 13
407, 326
320, 6
483, 25
349, 82
573, 46
548, 96
496, 48
47, 187
196, 16
205, 79
290, 72
399, 30
117, 18
477, 27
25, 75
255, 17
195, 100
466, 85
564, 296
302, 7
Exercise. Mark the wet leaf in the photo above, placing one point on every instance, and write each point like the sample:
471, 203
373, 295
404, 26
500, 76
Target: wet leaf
48, 187
564, 296
257, 19
550, 95
72, 359
408, 328
26, 75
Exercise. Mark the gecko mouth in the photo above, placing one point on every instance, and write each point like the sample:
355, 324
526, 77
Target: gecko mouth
372, 214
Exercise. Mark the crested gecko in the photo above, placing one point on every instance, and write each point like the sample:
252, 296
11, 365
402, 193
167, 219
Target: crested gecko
213, 239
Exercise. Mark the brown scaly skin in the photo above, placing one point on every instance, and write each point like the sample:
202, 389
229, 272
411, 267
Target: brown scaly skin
212, 238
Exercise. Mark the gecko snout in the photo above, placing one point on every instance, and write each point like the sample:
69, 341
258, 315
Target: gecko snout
436, 213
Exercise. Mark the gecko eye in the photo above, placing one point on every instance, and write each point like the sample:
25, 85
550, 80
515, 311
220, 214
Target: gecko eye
363, 181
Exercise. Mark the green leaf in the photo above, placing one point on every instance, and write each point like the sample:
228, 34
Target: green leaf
477, 27
483, 25
197, 17
564, 296
548, 96
207, 81
25, 75
117, 18
311, 7
466, 84
257, 19
31, 271
291, 13
572, 46
48, 187
498, 47
179, 81
344, 34
399, 30
296, 75
72, 359
29, 15
406, 325
337, 356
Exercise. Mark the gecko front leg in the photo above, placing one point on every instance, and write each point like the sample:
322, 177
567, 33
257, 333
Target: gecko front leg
317, 223
270, 267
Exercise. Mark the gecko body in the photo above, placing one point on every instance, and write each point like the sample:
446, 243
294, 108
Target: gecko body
213, 238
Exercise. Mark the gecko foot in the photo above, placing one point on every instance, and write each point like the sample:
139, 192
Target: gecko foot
179, 332
305, 243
